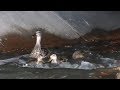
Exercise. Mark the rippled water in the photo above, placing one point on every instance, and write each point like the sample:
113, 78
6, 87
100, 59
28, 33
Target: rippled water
88, 68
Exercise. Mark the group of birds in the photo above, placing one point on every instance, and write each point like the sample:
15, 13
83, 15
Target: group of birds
39, 54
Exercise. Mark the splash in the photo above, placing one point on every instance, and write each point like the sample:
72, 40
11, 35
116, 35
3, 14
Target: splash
66, 24
12, 21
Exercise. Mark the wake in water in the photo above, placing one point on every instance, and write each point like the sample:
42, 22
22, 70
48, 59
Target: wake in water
39, 60
22, 61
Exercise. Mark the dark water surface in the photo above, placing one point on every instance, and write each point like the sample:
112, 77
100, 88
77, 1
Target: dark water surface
13, 72
91, 67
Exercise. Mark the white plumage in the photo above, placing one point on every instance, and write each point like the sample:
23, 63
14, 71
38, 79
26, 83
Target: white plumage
37, 51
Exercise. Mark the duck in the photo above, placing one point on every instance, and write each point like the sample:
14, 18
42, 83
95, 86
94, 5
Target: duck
37, 52
77, 55
54, 59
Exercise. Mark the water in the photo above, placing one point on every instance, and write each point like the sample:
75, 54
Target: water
89, 68
67, 25
14, 72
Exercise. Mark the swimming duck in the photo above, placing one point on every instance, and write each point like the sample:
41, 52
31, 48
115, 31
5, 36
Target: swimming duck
77, 55
53, 59
37, 52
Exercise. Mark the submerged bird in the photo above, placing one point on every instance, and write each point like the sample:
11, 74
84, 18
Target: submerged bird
37, 52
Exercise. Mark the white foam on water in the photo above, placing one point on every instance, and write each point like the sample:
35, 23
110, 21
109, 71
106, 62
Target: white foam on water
87, 65
83, 65
65, 65
110, 62
6, 61
15, 59
23, 63
42, 66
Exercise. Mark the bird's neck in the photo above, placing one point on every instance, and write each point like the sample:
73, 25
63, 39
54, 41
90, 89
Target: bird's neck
38, 41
